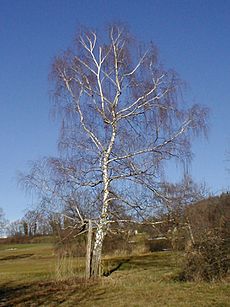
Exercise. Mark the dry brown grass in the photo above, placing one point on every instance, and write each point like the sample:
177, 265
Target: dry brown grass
144, 280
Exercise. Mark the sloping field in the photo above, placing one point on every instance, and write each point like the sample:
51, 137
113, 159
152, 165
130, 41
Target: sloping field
31, 275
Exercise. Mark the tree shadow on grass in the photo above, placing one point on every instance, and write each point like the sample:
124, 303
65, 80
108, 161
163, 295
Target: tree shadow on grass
109, 272
144, 262
13, 257
7, 293
48, 293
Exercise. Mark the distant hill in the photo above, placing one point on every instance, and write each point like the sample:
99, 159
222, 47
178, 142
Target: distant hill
210, 214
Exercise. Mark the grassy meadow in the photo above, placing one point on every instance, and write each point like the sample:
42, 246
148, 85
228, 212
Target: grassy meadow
32, 275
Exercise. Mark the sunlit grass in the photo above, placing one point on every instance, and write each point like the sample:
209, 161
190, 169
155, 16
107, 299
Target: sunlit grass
145, 280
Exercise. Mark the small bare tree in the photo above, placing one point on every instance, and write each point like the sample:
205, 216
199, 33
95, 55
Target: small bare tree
177, 199
122, 119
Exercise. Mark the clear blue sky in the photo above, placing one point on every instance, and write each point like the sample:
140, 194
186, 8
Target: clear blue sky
193, 37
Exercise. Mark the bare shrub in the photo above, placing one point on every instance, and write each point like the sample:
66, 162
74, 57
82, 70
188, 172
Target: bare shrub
208, 259
159, 245
118, 243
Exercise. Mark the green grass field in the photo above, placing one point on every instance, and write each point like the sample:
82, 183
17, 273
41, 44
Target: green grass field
31, 275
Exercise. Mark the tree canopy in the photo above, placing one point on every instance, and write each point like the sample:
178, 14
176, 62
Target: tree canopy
123, 116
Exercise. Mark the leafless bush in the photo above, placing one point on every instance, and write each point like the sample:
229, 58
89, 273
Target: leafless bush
117, 243
208, 259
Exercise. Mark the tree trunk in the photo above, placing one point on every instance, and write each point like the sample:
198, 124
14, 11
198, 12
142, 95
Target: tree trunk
89, 251
97, 250
190, 232
102, 225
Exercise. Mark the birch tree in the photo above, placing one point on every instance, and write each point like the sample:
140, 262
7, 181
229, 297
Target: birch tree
123, 116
